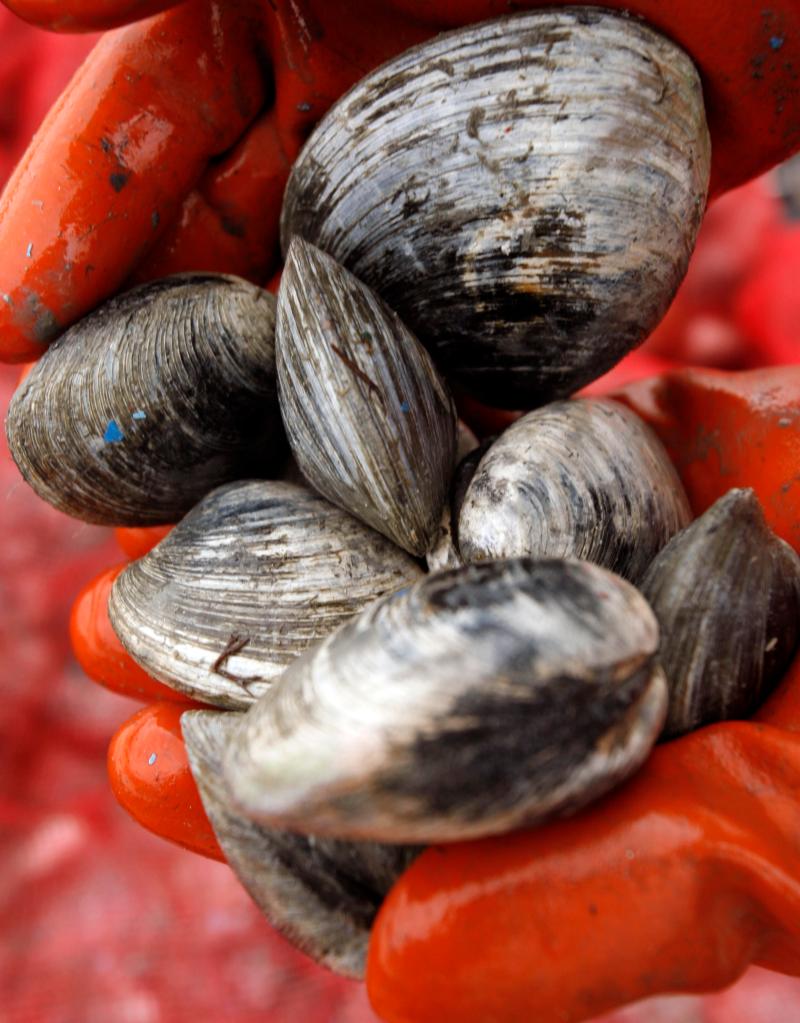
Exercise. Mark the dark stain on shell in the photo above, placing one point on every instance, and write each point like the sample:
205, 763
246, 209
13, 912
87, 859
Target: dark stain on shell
477, 700
152, 400
482, 738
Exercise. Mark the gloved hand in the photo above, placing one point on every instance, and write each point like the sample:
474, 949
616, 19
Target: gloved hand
674, 883
170, 153
170, 149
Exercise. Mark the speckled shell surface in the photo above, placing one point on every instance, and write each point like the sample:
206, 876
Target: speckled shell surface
584, 479
726, 592
478, 700
321, 894
256, 573
524, 192
371, 424
152, 400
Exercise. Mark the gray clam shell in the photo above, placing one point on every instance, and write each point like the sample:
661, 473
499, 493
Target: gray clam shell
726, 592
479, 700
370, 422
585, 479
524, 192
321, 894
256, 573
152, 400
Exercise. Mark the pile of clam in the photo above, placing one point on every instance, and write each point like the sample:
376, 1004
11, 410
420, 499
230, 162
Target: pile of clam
411, 637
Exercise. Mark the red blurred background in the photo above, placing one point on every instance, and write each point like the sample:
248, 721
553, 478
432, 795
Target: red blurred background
102, 921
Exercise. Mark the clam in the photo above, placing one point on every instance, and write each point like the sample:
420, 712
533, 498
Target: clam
321, 894
524, 192
255, 573
152, 400
478, 700
370, 423
726, 592
585, 479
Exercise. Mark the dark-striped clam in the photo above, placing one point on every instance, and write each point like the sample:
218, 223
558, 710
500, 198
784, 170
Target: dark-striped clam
726, 592
152, 400
255, 573
320, 893
478, 700
584, 479
524, 192
370, 422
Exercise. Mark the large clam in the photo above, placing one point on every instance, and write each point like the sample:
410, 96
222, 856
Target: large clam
524, 192
479, 699
371, 424
152, 400
320, 893
584, 479
726, 592
255, 573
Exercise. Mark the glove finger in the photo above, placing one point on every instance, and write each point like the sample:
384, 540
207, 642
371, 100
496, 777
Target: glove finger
149, 771
136, 541
230, 222
729, 429
114, 159
85, 15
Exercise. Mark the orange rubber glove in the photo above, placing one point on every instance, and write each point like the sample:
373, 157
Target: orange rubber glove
169, 152
676, 882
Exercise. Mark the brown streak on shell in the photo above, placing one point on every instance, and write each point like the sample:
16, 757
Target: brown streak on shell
152, 400
370, 423
255, 573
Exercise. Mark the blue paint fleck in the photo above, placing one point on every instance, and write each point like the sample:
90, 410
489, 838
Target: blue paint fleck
776, 42
138, 414
399, 593
152, 759
113, 433
404, 406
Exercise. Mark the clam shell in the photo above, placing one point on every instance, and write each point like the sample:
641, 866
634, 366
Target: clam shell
726, 592
256, 573
584, 479
478, 700
370, 423
154, 399
321, 894
524, 192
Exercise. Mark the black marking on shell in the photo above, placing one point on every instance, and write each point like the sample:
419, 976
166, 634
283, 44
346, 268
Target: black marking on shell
586, 479
370, 423
253, 575
726, 592
152, 400
529, 215
478, 700
321, 894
